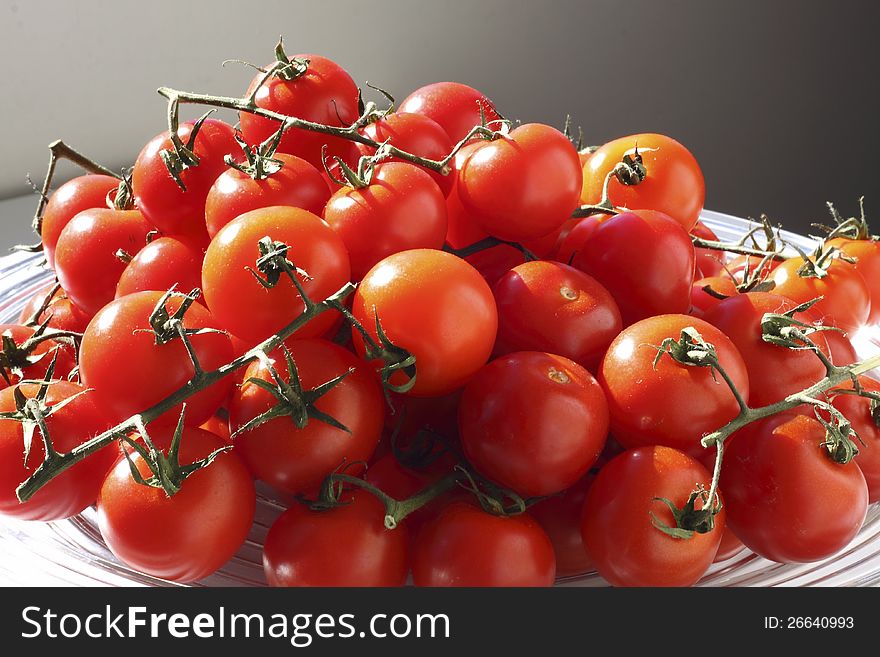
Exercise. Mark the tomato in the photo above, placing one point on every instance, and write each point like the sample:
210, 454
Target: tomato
668, 404
218, 424
74, 489
297, 460
617, 522
129, 372
345, 546
740, 265
162, 201
402, 208
645, 259
437, 307
846, 299
867, 256
729, 547
858, 411
35, 364
454, 106
85, 257
548, 306
580, 232
702, 301
164, 263
774, 371
710, 262
325, 94
522, 185
416, 134
61, 313
533, 422
786, 499
185, 537
841, 349
245, 308
297, 184
465, 546
560, 516
74, 196
674, 183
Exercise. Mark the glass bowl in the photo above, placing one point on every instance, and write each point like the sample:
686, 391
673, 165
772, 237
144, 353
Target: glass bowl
71, 552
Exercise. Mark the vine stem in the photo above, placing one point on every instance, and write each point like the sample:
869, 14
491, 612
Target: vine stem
739, 249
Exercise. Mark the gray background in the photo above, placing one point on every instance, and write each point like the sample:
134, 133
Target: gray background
778, 100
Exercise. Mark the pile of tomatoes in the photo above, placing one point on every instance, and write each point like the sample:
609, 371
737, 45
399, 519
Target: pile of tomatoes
536, 372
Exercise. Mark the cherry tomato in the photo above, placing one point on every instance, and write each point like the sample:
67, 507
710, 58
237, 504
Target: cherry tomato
858, 410
218, 424
33, 364
74, 196
297, 460
668, 404
674, 184
129, 372
560, 516
86, 259
185, 537
61, 313
437, 307
297, 184
465, 546
786, 499
548, 306
867, 256
401, 209
454, 106
522, 185
69, 426
702, 301
580, 232
841, 349
739, 266
710, 262
645, 259
729, 547
618, 519
245, 308
164, 263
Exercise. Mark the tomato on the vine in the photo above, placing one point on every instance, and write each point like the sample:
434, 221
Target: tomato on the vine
32, 364
456, 107
560, 516
864, 415
866, 254
705, 293
60, 312
164, 263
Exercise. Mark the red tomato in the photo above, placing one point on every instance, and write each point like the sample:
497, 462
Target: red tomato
522, 185
670, 404
548, 306
645, 259
297, 184
674, 184
454, 106
345, 546
858, 411
34, 365
729, 547
560, 516
74, 489
74, 196
710, 262
297, 460
246, 309
786, 499
533, 422
435, 306
160, 198
61, 313
841, 349
85, 257
401, 209
618, 532
867, 255
702, 302
416, 134
325, 94
185, 537
738, 265
120, 334
218, 425
465, 546
574, 240
164, 263
774, 371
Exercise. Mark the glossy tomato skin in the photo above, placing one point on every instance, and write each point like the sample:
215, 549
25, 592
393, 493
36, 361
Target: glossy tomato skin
841, 348
465, 546
437, 307
710, 262
246, 309
741, 265
670, 404
345, 546
702, 302
297, 184
729, 547
164, 263
43, 353
626, 548
580, 232
74, 196
85, 257
61, 312
456, 107
129, 372
185, 537
297, 460
548, 306
560, 516
674, 184
533, 422
786, 499
522, 185
74, 489
867, 256
171, 209
774, 371
325, 93
402, 208
645, 259
858, 411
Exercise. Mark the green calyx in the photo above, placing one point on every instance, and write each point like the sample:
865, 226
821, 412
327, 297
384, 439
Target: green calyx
689, 520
